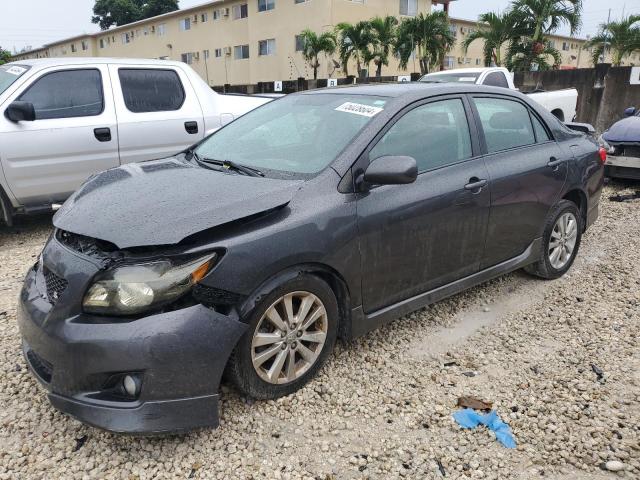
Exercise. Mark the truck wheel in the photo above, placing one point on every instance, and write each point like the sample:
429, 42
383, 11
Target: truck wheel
560, 241
291, 333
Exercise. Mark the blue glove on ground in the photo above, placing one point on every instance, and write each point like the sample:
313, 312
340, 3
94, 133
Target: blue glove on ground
469, 418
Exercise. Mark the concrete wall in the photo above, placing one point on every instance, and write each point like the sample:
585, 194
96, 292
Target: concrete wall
603, 92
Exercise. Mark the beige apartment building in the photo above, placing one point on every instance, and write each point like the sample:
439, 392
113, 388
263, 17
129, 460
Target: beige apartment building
249, 41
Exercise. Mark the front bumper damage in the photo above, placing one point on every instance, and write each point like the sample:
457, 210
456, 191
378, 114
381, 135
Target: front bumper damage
622, 167
179, 356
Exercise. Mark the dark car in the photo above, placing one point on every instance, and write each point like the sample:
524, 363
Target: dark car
318, 216
622, 142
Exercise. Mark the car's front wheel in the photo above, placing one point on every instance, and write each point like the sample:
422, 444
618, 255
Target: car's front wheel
560, 241
291, 333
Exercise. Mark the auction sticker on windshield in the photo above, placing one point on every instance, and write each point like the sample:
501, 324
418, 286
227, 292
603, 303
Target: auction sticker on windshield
16, 70
359, 109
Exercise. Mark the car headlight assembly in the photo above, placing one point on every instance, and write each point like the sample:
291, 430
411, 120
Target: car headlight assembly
132, 289
603, 143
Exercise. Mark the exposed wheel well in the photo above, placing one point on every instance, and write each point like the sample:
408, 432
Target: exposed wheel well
580, 199
6, 210
559, 114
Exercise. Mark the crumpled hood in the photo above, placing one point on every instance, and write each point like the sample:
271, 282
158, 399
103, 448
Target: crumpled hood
626, 130
164, 201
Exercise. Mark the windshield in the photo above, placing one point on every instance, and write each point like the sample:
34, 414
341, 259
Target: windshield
298, 135
450, 77
9, 74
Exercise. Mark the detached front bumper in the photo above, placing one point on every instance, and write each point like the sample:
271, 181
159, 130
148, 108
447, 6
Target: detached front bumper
179, 358
622, 167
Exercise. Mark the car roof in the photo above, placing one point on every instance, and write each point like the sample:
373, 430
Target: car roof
55, 61
412, 89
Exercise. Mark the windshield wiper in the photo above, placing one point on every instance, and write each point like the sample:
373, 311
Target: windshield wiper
229, 165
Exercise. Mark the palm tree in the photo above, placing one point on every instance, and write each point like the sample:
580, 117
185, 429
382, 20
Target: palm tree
313, 45
536, 19
429, 36
353, 43
384, 35
623, 37
495, 29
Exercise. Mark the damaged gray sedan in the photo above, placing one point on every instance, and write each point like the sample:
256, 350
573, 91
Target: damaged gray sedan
319, 216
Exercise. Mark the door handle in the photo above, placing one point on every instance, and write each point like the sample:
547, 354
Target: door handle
191, 127
102, 134
554, 163
475, 184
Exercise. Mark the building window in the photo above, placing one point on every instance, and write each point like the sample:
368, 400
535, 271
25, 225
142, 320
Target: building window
299, 43
85, 45
454, 30
162, 30
565, 46
218, 52
301, 1
267, 47
102, 43
241, 52
409, 7
145, 31
206, 54
126, 38
450, 62
264, 5
73, 47
204, 17
240, 11
477, 61
185, 24
187, 58
216, 14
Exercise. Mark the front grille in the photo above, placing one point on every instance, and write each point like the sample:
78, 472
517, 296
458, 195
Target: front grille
55, 285
632, 152
42, 368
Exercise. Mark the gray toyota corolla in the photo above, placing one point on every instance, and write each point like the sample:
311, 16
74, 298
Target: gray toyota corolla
318, 216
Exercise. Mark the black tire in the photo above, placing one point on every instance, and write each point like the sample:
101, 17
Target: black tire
240, 369
543, 267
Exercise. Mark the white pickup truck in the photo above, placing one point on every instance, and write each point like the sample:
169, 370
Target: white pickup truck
562, 103
66, 119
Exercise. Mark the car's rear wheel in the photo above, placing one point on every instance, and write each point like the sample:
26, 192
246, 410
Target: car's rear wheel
560, 242
291, 333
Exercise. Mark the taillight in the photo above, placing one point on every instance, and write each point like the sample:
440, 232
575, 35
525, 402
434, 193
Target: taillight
603, 155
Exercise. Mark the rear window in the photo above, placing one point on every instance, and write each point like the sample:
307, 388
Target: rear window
151, 90
9, 74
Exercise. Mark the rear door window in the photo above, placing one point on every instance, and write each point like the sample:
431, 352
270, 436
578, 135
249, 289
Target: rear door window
435, 135
496, 79
506, 123
66, 94
151, 90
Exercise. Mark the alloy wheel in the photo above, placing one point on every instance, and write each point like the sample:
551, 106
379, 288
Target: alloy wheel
289, 337
563, 240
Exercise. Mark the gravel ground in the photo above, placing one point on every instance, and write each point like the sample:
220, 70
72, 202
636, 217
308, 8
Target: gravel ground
382, 406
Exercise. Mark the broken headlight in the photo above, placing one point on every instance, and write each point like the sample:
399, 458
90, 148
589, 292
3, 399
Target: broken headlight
137, 288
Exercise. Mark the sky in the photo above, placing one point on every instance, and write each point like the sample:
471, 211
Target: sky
37, 22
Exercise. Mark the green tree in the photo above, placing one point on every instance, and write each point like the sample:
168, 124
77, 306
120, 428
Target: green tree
622, 37
5, 56
353, 44
536, 19
313, 45
495, 30
383, 37
107, 13
429, 36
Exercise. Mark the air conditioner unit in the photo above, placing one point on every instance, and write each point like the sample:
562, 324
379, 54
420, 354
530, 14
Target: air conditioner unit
226, 11
227, 50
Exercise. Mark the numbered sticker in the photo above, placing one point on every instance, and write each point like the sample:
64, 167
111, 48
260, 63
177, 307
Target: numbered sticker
16, 70
404, 78
277, 86
359, 109
332, 82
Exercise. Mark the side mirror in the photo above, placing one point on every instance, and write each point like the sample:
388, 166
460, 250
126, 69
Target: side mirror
630, 112
20, 112
391, 170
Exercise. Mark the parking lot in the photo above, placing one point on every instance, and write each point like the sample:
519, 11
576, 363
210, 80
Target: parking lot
560, 360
